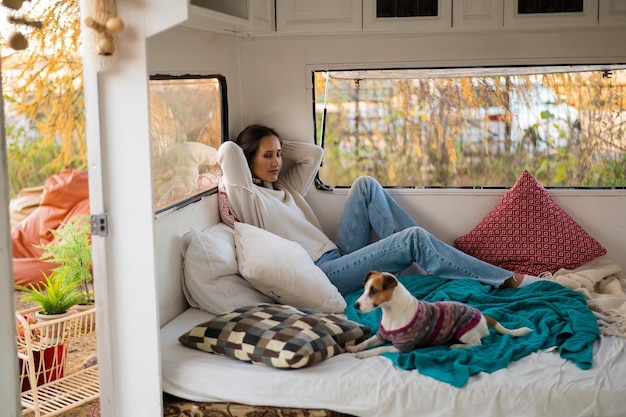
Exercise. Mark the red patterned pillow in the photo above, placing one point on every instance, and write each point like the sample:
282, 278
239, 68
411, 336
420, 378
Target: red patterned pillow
527, 232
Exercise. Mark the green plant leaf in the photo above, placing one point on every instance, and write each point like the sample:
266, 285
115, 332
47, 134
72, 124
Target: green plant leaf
71, 249
55, 295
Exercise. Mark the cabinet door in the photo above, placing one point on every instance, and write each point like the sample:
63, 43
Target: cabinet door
319, 16
218, 15
375, 21
261, 16
231, 16
532, 13
612, 11
479, 14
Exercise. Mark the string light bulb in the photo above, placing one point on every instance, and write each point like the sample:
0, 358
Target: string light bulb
16, 40
13, 4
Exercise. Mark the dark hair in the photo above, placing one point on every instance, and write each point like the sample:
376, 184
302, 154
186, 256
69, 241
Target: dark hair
250, 137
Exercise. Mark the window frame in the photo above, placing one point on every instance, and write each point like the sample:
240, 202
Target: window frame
312, 69
224, 121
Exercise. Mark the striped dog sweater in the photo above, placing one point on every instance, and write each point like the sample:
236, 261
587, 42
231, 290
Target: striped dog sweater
433, 324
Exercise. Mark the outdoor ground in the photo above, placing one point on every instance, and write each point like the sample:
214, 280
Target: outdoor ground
81, 350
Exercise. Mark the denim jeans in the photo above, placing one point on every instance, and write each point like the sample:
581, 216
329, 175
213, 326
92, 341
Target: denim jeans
401, 241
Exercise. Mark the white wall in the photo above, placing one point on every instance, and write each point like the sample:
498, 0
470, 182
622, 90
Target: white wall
269, 81
187, 51
182, 51
169, 228
450, 213
274, 78
276, 82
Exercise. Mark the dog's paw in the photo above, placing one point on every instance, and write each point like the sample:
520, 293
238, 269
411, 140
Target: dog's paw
352, 349
363, 354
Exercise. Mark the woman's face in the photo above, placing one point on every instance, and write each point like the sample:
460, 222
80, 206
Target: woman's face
268, 159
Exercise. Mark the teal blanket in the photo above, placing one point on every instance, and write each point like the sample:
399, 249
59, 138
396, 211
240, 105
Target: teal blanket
559, 317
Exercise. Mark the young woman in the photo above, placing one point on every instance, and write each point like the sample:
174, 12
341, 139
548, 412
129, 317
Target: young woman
255, 190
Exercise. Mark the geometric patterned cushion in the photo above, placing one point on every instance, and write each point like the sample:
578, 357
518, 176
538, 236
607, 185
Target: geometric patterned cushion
527, 232
275, 335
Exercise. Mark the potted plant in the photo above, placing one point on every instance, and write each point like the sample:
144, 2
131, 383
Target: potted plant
48, 363
71, 250
55, 295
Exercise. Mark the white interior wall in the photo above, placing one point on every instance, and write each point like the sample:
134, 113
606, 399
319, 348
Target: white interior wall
188, 51
450, 213
276, 82
182, 51
274, 76
268, 81
169, 228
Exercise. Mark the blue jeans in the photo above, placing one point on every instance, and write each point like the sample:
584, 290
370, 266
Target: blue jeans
401, 241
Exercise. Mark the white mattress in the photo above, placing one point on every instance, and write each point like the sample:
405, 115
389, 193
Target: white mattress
541, 384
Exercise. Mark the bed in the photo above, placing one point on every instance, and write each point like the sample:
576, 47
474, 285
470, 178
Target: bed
544, 380
574, 364
541, 383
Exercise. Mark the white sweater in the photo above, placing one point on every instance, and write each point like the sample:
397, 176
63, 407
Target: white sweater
282, 211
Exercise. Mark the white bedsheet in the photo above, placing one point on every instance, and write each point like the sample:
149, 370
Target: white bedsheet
541, 384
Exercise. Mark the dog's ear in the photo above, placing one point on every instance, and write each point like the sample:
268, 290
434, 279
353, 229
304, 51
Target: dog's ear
389, 281
367, 276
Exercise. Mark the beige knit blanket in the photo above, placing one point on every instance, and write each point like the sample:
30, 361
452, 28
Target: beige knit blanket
601, 281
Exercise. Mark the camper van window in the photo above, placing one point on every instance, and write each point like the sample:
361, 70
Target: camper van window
473, 127
549, 6
406, 8
188, 119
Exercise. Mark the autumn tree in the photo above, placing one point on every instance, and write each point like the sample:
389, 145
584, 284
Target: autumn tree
407, 128
43, 84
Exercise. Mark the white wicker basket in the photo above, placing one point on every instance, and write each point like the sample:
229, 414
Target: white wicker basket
42, 348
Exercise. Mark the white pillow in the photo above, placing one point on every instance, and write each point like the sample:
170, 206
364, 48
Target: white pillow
282, 269
211, 280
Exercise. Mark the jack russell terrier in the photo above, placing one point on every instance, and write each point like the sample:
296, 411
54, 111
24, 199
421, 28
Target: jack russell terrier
409, 323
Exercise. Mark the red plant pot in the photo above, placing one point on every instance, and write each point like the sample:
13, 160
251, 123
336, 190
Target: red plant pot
49, 365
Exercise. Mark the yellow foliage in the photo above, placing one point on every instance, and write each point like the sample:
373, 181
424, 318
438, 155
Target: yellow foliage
44, 82
392, 170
